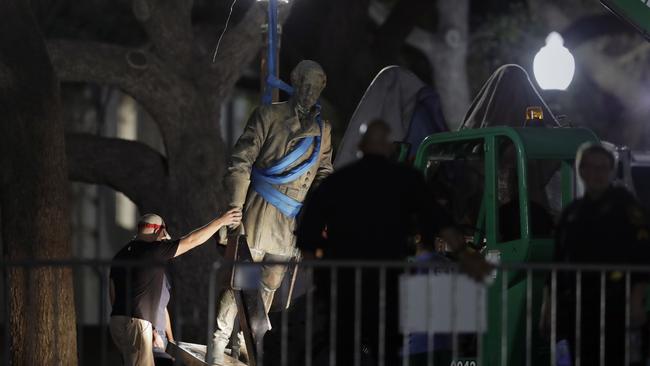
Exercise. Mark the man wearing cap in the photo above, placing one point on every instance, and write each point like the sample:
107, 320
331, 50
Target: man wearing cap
136, 290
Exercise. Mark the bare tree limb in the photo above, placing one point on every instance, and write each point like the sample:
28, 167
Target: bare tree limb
422, 40
138, 73
131, 70
378, 12
549, 14
130, 167
447, 53
640, 51
169, 27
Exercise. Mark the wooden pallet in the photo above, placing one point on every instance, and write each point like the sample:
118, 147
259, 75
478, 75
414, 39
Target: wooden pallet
192, 354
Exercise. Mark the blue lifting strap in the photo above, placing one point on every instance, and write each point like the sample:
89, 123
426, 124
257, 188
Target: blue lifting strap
291, 158
272, 31
285, 204
264, 179
277, 83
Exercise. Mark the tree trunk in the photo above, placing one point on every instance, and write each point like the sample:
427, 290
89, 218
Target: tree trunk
34, 195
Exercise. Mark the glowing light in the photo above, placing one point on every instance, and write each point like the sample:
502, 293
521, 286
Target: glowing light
554, 65
363, 128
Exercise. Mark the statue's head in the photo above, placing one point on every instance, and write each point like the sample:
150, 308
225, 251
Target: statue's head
308, 79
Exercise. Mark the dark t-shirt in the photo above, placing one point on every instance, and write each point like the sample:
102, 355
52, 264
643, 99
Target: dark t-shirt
138, 289
371, 208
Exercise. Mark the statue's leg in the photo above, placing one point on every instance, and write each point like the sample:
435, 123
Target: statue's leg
225, 322
272, 275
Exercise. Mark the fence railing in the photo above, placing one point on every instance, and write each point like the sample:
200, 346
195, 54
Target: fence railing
394, 313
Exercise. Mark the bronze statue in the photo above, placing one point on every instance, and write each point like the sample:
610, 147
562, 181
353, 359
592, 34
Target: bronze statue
284, 151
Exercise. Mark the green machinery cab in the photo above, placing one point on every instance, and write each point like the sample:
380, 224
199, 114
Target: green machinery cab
536, 155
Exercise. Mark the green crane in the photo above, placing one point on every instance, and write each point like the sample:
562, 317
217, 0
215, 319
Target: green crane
511, 336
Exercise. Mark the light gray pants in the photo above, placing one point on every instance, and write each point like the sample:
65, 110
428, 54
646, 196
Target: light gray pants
271, 279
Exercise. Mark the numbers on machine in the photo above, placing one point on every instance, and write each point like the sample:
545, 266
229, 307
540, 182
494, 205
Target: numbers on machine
463, 363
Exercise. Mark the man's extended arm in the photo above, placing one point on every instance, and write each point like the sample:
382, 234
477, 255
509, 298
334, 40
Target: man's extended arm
201, 235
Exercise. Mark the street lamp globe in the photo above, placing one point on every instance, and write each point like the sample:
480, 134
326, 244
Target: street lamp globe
554, 65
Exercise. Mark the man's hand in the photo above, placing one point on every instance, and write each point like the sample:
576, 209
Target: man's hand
232, 218
474, 265
157, 340
202, 234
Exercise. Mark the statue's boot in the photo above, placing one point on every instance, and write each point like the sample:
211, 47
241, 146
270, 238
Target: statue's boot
216, 352
239, 350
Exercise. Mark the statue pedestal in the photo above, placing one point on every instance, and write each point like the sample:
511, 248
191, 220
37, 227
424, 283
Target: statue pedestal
192, 354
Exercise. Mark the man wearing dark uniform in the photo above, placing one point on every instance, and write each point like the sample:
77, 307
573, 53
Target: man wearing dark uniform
606, 226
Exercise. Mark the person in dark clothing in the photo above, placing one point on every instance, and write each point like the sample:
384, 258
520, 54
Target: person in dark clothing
606, 226
370, 210
135, 292
540, 220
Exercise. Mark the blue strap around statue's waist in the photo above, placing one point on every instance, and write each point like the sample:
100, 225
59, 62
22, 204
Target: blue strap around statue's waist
264, 179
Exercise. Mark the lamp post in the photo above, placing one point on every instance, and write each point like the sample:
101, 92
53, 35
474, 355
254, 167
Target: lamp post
554, 65
270, 57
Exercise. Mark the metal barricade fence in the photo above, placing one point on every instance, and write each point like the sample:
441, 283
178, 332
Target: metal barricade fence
395, 313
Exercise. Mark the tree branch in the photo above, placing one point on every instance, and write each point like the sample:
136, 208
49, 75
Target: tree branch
131, 70
169, 27
448, 55
127, 166
166, 95
422, 40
